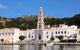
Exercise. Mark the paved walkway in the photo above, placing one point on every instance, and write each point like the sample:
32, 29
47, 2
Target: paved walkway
59, 43
31, 42
38, 42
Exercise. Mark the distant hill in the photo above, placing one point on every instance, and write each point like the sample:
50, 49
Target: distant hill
29, 22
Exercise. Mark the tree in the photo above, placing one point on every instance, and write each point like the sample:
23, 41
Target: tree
1, 26
2, 40
52, 38
60, 37
22, 37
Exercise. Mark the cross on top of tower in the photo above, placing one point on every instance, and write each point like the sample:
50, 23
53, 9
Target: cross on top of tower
40, 12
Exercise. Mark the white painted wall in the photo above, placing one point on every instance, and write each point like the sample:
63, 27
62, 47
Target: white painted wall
32, 33
9, 35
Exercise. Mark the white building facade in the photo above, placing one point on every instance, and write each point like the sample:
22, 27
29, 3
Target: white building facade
9, 35
40, 33
67, 32
30, 34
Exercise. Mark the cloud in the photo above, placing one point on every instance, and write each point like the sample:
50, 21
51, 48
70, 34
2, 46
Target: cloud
3, 6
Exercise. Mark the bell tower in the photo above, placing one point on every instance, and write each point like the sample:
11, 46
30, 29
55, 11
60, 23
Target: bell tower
40, 23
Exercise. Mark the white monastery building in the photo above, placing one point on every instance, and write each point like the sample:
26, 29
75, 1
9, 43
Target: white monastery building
9, 35
40, 33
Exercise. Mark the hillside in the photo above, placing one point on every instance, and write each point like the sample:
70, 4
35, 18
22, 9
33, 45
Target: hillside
29, 22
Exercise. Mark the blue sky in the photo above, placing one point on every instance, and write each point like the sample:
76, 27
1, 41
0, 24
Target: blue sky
57, 8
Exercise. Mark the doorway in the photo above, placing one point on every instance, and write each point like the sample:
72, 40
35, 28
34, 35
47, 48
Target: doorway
39, 37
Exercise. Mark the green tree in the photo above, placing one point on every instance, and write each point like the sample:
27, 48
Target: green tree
2, 40
22, 37
52, 38
1, 26
60, 37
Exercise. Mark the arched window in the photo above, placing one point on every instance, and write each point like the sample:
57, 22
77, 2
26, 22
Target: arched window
32, 36
56, 32
9, 33
6, 33
61, 32
12, 33
65, 32
3, 33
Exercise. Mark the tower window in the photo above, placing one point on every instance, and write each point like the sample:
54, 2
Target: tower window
29, 35
39, 26
39, 19
47, 36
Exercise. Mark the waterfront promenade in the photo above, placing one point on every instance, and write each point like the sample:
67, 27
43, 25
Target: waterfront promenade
70, 43
40, 43
31, 42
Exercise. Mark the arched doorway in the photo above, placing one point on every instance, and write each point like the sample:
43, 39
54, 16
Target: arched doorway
39, 37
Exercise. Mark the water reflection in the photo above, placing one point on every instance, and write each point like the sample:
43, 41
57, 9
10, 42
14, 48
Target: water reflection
9, 47
39, 47
61, 47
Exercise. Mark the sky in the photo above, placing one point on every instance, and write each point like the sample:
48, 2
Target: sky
56, 8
